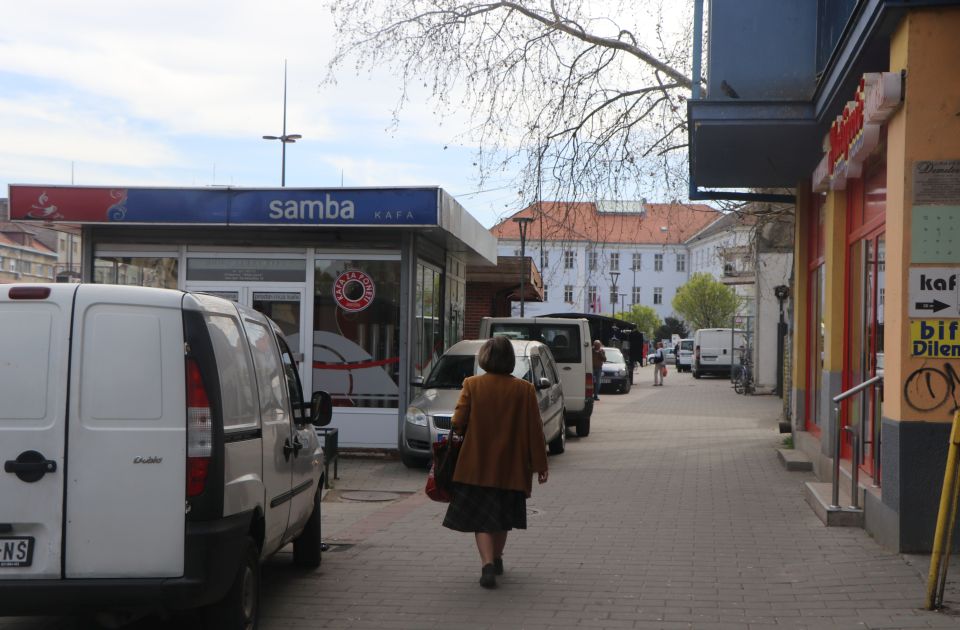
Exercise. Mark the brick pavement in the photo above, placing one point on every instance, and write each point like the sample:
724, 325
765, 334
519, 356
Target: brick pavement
674, 513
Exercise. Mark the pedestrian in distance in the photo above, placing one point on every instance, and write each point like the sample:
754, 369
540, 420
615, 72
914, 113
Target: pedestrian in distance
658, 367
503, 445
598, 359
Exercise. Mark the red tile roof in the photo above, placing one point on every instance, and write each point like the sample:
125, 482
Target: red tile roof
580, 221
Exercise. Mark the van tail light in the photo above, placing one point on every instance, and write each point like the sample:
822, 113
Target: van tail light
199, 431
589, 384
29, 293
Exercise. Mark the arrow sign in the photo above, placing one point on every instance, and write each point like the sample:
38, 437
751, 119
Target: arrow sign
935, 306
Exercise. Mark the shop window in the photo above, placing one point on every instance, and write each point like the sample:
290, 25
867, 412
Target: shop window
160, 272
455, 301
427, 314
356, 331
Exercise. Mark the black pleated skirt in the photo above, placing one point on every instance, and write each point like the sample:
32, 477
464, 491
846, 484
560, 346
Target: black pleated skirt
481, 509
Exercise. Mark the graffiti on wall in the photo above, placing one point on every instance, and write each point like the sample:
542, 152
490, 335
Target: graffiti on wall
930, 388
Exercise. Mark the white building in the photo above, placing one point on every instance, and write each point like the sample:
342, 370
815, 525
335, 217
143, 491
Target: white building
604, 257
753, 254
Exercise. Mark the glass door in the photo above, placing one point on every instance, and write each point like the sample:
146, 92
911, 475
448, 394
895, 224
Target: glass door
865, 335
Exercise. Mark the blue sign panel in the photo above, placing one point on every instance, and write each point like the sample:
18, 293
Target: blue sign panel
338, 206
397, 206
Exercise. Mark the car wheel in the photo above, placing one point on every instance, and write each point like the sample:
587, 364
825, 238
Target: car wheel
583, 427
307, 546
240, 608
626, 387
559, 444
696, 374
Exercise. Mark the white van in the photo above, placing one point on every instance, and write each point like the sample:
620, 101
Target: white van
684, 354
569, 340
715, 350
155, 450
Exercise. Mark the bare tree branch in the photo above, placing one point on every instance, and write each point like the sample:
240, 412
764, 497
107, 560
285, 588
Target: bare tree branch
584, 106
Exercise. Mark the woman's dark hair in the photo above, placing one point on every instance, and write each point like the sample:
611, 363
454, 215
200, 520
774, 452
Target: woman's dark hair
496, 356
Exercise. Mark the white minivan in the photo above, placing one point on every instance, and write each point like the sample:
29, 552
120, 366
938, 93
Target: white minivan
156, 448
715, 350
569, 341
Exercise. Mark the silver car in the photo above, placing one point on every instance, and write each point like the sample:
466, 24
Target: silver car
615, 371
429, 415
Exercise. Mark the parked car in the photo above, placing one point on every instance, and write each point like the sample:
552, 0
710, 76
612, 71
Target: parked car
569, 341
428, 418
668, 354
615, 371
713, 350
684, 353
156, 451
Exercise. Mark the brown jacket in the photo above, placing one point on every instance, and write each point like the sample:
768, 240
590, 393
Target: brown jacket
504, 442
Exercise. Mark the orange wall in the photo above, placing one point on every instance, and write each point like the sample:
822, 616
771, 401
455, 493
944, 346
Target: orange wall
927, 127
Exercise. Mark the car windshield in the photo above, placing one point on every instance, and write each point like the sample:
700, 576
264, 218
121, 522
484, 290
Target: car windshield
563, 339
451, 369
520, 370
613, 355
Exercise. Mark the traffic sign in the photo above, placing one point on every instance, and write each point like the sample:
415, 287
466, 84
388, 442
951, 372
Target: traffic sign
934, 292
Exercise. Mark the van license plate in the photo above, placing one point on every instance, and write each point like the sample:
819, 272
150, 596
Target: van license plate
16, 551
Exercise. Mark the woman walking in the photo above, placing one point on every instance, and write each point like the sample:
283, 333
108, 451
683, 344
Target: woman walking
503, 446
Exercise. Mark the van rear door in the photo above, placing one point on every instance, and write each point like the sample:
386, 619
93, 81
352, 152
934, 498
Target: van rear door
34, 338
126, 446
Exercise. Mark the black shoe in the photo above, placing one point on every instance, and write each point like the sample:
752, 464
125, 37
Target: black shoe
498, 566
488, 578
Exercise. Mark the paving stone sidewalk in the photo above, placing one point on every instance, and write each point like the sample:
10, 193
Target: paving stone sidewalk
673, 513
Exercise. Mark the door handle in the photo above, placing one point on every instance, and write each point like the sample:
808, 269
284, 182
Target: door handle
291, 447
567, 368
30, 466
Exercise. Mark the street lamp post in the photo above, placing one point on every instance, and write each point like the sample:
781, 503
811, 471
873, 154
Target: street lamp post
613, 291
522, 223
285, 138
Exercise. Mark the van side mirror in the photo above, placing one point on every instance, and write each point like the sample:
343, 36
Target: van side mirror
543, 383
417, 381
321, 409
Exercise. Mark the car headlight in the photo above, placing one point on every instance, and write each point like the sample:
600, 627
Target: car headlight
621, 372
416, 416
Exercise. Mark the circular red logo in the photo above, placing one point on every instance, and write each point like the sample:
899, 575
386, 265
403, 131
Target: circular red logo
353, 290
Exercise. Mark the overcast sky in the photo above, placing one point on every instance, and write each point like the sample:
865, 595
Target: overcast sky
179, 93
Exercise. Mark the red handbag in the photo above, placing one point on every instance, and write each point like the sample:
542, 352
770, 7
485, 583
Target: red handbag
433, 491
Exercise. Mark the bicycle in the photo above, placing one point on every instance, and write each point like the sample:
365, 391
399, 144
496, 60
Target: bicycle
743, 383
